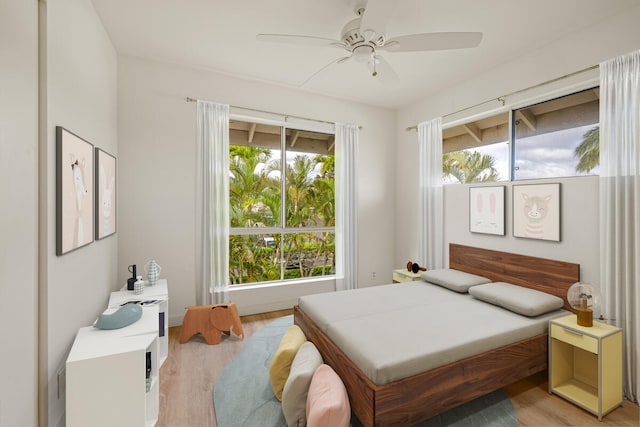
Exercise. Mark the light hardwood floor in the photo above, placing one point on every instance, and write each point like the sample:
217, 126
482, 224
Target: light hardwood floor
188, 375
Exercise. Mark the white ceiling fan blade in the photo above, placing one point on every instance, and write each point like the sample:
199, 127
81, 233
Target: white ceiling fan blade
383, 71
298, 39
432, 41
375, 18
335, 61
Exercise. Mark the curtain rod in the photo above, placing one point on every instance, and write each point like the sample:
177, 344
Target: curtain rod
502, 98
286, 116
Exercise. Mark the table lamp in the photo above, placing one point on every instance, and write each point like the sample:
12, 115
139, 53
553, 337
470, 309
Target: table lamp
584, 298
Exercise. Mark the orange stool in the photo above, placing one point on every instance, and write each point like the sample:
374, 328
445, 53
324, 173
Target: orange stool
211, 321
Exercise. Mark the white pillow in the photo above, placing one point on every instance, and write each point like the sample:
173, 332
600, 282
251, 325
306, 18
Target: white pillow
518, 299
296, 388
454, 280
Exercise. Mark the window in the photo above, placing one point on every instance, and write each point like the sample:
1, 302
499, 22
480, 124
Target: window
281, 203
477, 151
557, 138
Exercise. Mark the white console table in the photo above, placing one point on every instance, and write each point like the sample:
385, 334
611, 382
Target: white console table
158, 292
106, 375
106, 370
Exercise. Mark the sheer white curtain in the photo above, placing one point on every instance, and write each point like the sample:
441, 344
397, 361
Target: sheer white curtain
430, 203
346, 206
620, 204
212, 204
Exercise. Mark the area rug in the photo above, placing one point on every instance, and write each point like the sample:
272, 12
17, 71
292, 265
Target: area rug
242, 394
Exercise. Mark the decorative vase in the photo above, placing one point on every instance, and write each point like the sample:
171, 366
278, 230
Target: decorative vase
138, 286
152, 268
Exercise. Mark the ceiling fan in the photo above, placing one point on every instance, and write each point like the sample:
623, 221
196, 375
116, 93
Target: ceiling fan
364, 37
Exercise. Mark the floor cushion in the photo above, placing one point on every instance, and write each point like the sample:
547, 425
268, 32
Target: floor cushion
280, 366
296, 388
327, 402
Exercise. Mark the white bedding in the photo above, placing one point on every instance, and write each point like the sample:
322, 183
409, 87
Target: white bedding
395, 331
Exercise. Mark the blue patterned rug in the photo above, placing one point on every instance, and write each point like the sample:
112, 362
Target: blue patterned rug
242, 395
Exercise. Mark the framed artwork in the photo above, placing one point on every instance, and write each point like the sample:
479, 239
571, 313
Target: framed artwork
105, 194
74, 192
536, 211
486, 210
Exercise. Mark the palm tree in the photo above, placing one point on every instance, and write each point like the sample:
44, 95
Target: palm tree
325, 210
588, 152
246, 184
468, 167
328, 165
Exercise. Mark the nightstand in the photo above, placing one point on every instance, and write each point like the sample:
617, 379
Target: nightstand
404, 275
585, 364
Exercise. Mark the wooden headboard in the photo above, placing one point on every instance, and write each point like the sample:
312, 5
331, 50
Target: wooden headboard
546, 275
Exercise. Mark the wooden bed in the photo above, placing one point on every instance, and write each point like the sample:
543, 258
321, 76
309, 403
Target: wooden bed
424, 395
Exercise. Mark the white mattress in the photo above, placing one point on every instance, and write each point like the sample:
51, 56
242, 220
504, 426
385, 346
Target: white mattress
395, 331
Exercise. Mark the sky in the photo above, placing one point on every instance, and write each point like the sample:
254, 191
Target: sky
544, 156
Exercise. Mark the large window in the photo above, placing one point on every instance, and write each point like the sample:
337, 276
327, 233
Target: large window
556, 138
282, 204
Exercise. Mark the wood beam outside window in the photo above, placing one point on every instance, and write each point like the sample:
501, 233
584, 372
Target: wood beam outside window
330, 143
296, 135
252, 131
473, 130
528, 118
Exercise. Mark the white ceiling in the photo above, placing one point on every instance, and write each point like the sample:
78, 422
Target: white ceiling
220, 35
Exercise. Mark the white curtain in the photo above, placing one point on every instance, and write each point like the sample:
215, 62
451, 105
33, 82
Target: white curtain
212, 204
346, 206
430, 203
620, 204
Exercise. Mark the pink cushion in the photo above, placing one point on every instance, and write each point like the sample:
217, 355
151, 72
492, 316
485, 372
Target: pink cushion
327, 402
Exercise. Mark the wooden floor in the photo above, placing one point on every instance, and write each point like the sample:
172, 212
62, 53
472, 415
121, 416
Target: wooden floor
188, 375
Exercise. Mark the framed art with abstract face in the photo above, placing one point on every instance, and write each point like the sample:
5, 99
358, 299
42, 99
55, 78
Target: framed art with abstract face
486, 210
536, 211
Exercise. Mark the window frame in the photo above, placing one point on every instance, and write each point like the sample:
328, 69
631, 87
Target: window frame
510, 110
283, 229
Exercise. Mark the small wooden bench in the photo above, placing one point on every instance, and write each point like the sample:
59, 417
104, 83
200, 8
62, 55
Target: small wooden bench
211, 321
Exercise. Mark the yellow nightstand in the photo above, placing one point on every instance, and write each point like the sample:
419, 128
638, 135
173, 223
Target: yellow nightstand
585, 364
404, 275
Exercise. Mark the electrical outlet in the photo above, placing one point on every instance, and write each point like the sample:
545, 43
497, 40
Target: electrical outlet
62, 381
373, 275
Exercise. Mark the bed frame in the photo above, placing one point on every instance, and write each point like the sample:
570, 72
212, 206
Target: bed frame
424, 395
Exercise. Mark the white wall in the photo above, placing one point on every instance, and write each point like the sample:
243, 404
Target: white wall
579, 225
81, 96
575, 52
157, 146
18, 211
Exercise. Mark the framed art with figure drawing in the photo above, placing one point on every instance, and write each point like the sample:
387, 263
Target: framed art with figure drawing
105, 194
536, 211
74, 192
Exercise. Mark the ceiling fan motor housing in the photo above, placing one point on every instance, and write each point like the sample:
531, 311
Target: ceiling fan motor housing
352, 38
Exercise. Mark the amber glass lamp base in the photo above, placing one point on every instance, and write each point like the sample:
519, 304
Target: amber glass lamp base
585, 317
